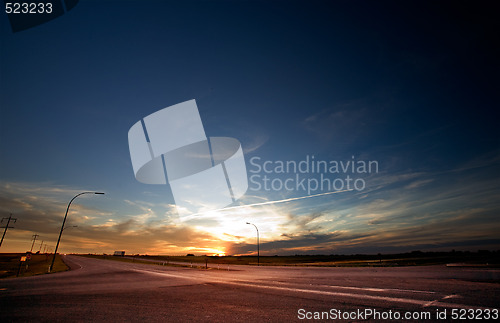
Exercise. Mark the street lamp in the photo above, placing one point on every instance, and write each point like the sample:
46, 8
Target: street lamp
258, 252
62, 226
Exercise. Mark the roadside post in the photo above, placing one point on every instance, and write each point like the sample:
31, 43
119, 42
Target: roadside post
23, 259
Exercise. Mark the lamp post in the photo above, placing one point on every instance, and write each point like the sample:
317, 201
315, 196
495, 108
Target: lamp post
258, 251
62, 226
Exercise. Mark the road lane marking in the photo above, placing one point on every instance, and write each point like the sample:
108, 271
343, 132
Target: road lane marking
380, 290
452, 296
423, 303
76, 263
446, 297
360, 296
169, 275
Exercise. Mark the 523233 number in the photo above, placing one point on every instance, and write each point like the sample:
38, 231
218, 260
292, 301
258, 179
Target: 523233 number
28, 7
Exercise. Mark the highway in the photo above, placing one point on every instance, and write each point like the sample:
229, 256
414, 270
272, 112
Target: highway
107, 290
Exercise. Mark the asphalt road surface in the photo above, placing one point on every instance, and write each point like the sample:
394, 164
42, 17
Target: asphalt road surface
112, 291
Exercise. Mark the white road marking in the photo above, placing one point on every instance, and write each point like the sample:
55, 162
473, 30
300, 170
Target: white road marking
380, 290
422, 303
76, 263
452, 296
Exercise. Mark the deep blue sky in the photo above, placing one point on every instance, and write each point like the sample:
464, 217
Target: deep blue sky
413, 85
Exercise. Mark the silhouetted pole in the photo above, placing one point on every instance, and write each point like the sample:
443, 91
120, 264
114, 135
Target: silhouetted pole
7, 227
62, 226
258, 251
34, 239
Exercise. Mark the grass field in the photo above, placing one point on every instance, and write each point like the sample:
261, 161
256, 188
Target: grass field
10, 265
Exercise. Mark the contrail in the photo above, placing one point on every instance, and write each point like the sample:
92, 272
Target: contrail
269, 202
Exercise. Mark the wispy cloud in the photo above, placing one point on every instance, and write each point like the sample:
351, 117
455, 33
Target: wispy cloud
344, 123
257, 141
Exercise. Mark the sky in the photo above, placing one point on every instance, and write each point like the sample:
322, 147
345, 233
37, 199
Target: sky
410, 86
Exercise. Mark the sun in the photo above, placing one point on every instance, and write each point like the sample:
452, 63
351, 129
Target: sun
218, 252
225, 229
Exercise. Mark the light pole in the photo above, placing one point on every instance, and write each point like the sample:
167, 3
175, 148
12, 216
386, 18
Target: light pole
62, 226
258, 251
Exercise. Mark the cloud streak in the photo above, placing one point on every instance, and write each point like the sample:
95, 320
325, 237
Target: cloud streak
269, 202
